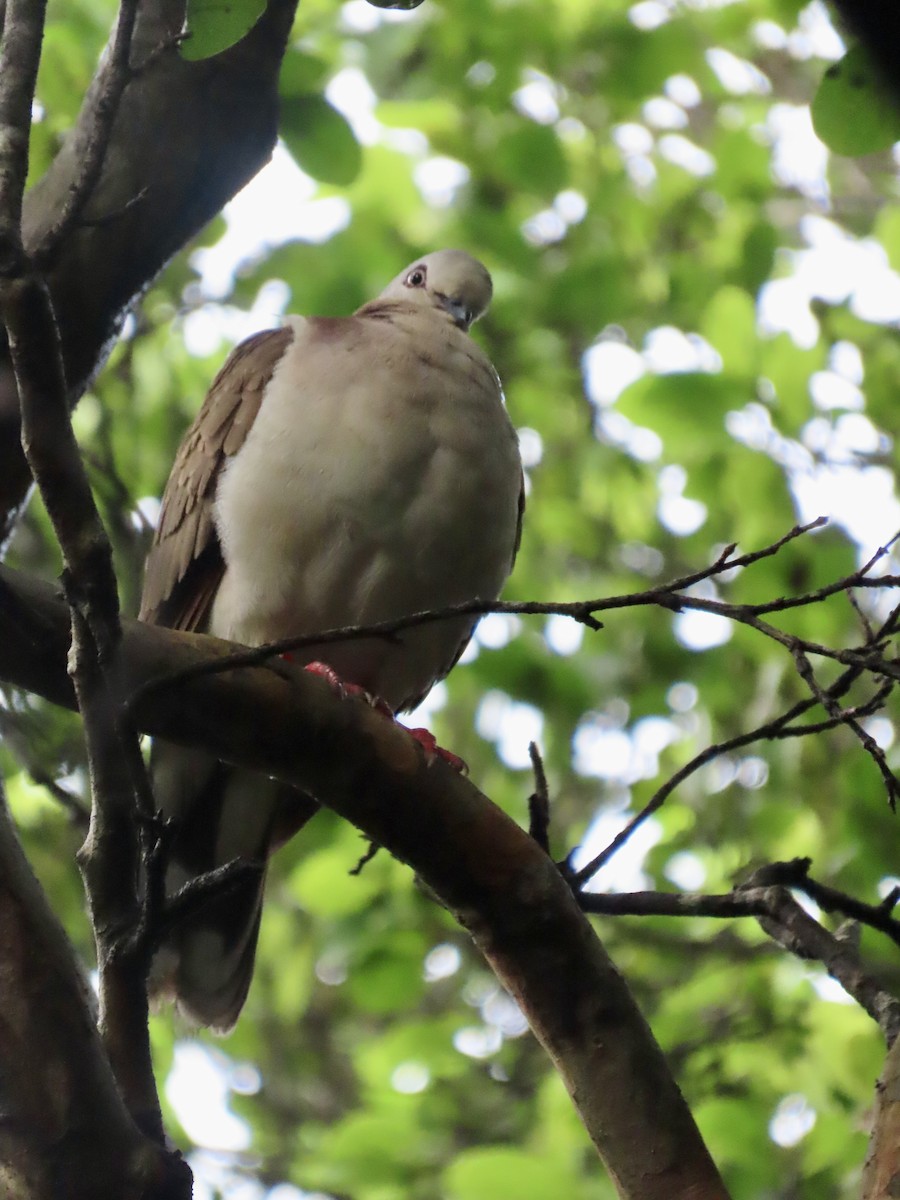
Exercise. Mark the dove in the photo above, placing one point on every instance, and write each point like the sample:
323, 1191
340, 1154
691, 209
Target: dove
341, 471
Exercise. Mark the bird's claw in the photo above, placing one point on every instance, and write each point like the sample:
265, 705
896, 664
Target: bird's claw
424, 737
428, 742
349, 690
330, 676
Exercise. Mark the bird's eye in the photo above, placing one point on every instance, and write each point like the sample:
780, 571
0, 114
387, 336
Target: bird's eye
416, 277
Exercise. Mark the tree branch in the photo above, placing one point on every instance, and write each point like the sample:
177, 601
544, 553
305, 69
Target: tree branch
672, 596
20, 54
783, 920
881, 1170
795, 874
783, 726
110, 857
109, 94
65, 1134
500, 920
485, 869
539, 801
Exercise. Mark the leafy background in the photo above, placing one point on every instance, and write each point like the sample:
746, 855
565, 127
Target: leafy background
693, 320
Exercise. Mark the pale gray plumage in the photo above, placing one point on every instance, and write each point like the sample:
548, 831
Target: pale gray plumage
342, 470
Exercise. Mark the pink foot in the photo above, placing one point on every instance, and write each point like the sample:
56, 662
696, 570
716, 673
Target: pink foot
424, 737
346, 690
428, 742
330, 676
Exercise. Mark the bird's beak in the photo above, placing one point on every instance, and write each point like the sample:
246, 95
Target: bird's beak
462, 316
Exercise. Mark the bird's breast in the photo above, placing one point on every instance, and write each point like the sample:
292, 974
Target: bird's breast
375, 482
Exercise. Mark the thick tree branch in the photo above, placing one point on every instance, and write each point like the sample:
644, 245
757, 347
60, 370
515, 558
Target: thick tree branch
110, 859
59, 1099
500, 885
881, 1171
112, 208
503, 926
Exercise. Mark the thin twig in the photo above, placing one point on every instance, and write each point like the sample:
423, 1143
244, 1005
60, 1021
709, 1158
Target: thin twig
782, 918
539, 801
197, 893
795, 874
783, 726
20, 54
869, 658
20, 742
116, 74
806, 673
863, 619
369, 853
670, 596
78, 812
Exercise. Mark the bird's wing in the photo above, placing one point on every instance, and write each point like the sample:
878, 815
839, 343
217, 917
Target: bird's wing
185, 565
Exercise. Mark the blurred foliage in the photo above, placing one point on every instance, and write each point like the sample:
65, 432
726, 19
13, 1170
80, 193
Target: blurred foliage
644, 182
851, 111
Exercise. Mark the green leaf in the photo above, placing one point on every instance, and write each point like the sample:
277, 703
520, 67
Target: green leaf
686, 409
320, 139
322, 884
789, 367
301, 73
729, 324
852, 112
505, 1173
887, 230
214, 25
531, 158
390, 978
376, 1147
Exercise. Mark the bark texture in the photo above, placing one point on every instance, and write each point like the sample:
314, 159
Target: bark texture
881, 1172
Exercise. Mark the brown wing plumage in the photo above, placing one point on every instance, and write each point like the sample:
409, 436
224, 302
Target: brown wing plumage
185, 566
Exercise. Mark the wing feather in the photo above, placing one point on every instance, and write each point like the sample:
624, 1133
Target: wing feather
185, 565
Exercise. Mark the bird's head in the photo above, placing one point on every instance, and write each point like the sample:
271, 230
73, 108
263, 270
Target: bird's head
450, 280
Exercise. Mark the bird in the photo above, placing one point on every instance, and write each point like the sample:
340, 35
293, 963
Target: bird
342, 470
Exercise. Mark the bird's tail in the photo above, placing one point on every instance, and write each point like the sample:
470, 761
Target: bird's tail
221, 814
